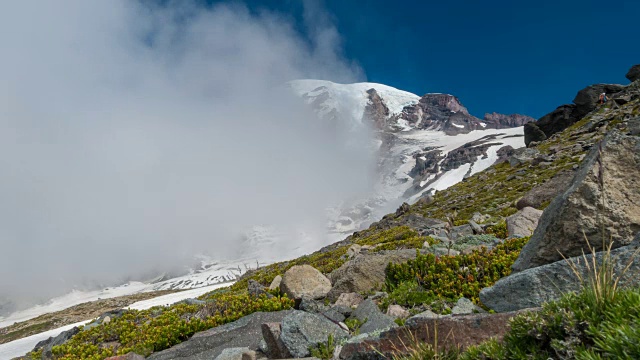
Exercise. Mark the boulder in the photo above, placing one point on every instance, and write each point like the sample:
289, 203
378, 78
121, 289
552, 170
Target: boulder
275, 348
546, 191
353, 251
533, 135
372, 318
275, 284
366, 272
555, 121
523, 156
300, 330
449, 332
581, 212
349, 300
205, 345
48, 344
304, 281
532, 287
312, 306
466, 306
256, 289
461, 231
523, 223
398, 312
634, 73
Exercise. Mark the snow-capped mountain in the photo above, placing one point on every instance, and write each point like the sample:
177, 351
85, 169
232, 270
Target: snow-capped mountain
425, 143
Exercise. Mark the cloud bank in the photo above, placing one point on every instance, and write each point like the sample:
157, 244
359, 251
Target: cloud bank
133, 136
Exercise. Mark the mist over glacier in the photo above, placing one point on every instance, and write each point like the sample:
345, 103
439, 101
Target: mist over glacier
134, 136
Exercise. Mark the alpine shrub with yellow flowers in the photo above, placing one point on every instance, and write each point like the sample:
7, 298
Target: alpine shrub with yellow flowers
159, 328
429, 277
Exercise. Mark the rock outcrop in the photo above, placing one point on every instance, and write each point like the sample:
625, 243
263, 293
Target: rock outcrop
304, 281
372, 318
48, 344
584, 209
564, 116
501, 121
245, 332
449, 332
532, 287
634, 73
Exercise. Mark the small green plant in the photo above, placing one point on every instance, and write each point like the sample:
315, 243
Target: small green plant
324, 350
354, 325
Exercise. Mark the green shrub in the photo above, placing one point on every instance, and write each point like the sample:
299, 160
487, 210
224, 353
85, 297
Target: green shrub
428, 277
324, 350
158, 328
499, 230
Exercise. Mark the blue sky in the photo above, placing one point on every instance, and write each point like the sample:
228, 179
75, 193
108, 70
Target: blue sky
505, 56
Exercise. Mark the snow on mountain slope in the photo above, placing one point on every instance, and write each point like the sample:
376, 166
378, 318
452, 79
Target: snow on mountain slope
350, 100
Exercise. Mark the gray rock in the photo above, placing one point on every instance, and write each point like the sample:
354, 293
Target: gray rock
523, 223
349, 300
634, 73
312, 306
234, 354
546, 191
334, 315
353, 251
256, 289
532, 287
461, 231
579, 211
366, 272
275, 284
477, 229
300, 330
397, 312
523, 156
205, 345
273, 346
465, 306
48, 344
344, 310
423, 315
304, 281
373, 319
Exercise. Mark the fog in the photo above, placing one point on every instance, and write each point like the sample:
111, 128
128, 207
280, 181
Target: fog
133, 136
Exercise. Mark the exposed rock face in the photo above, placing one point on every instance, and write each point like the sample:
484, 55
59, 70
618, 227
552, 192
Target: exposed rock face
524, 222
581, 209
533, 287
205, 345
304, 281
634, 73
376, 110
373, 319
546, 191
504, 153
47, 345
461, 331
501, 121
585, 101
300, 330
365, 272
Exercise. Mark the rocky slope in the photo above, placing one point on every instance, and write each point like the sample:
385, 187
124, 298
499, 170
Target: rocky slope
439, 263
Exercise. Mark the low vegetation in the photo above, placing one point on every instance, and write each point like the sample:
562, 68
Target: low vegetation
429, 278
158, 328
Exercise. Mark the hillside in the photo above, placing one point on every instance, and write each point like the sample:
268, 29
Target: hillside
465, 260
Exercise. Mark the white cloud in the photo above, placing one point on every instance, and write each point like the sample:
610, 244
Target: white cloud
133, 137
